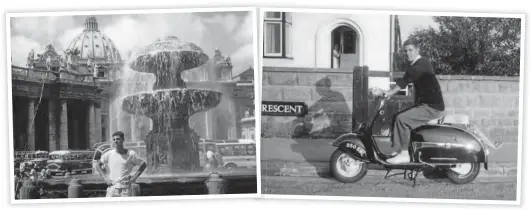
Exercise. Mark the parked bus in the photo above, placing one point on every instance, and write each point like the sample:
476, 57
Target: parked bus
29, 158
238, 154
30, 155
72, 161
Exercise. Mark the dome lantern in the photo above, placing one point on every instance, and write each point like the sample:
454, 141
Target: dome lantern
91, 24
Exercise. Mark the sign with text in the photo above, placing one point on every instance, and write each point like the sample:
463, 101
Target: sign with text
283, 108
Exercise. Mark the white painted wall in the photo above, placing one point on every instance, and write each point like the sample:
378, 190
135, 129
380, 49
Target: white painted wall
311, 40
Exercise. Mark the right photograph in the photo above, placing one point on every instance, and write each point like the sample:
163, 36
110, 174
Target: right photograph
391, 105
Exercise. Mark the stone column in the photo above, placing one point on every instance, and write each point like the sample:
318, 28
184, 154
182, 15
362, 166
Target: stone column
113, 118
63, 126
99, 124
91, 125
208, 134
31, 124
52, 126
133, 128
233, 120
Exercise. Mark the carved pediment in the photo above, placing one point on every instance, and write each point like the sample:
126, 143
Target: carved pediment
49, 52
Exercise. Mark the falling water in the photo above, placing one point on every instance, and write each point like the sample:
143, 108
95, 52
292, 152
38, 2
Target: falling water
170, 143
134, 127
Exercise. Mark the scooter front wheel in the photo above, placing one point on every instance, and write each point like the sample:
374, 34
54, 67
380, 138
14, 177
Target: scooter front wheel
345, 168
463, 173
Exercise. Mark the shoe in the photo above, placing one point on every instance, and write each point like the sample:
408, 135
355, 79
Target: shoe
402, 157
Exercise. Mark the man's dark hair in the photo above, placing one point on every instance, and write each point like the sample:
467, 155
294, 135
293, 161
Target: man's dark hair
119, 133
412, 41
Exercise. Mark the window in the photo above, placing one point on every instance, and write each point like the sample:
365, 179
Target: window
97, 46
277, 34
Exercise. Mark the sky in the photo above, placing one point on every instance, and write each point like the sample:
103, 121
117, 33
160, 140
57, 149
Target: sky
408, 24
231, 32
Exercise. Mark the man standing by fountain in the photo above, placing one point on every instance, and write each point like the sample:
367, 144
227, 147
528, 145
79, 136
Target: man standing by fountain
119, 163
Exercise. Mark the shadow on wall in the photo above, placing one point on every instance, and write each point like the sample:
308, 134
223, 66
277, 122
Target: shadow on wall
328, 117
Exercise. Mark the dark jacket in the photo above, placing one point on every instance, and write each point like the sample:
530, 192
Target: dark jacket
427, 88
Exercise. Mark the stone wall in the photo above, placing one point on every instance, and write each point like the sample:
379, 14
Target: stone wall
490, 102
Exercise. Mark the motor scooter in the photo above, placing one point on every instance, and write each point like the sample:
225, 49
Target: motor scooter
446, 146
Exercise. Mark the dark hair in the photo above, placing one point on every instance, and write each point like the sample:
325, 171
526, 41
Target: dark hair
119, 133
412, 41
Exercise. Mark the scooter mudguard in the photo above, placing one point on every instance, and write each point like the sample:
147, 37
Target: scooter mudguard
351, 143
446, 144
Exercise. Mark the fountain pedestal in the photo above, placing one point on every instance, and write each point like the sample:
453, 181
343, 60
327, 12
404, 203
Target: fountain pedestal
178, 147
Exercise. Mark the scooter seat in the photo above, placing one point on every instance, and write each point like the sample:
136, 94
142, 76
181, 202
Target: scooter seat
451, 119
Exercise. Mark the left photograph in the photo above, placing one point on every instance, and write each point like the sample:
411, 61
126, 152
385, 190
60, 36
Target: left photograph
132, 104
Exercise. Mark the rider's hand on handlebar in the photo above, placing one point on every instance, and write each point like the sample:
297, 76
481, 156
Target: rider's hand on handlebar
386, 96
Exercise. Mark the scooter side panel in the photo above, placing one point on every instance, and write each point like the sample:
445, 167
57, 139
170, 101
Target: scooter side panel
445, 144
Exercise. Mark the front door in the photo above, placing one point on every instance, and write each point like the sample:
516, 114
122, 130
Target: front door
348, 49
345, 38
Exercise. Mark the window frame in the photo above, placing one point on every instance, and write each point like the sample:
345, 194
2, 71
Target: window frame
284, 20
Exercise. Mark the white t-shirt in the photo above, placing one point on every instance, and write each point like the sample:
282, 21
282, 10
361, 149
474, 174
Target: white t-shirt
34, 175
22, 167
120, 166
209, 155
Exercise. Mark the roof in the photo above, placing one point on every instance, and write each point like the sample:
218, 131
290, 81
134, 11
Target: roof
248, 72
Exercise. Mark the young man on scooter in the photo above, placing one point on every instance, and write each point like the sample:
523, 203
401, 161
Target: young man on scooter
429, 103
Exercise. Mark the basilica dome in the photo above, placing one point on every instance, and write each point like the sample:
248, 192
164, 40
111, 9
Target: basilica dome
92, 43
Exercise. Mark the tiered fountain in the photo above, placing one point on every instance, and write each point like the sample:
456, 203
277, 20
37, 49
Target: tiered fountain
170, 104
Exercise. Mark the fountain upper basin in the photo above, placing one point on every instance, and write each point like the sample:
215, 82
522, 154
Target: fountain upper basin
168, 55
171, 102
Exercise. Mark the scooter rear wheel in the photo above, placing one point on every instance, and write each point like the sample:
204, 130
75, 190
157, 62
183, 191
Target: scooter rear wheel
345, 168
464, 178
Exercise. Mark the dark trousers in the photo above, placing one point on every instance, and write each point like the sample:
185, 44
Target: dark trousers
408, 120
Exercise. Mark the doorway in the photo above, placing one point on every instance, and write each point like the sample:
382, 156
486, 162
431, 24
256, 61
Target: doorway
345, 39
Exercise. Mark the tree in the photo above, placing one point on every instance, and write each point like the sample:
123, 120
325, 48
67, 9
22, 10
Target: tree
470, 46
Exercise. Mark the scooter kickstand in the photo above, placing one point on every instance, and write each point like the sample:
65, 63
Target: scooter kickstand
413, 177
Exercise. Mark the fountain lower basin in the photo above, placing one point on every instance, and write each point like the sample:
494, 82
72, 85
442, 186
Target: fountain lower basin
239, 181
171, 102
